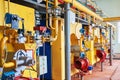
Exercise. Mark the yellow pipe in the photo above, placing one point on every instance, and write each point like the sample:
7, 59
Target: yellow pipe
55, 24
95, 39
49, 2
2, 46
47, 17
55, 21
111, 19
101, 40
47, 14
55, 3
9, 64
81, 43
83, 8
8, 6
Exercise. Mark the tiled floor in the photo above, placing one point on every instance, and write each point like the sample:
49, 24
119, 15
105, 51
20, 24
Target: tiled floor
109, 72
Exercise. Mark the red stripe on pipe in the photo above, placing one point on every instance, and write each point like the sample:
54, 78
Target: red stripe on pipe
61, 1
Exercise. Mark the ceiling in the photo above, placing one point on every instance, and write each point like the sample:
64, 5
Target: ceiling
110, 7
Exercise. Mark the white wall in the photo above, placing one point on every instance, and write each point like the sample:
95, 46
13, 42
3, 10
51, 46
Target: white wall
115, 44
116, 47
112, 9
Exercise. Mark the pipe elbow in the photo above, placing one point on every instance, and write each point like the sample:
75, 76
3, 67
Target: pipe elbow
3, 41
9, 64
2, 46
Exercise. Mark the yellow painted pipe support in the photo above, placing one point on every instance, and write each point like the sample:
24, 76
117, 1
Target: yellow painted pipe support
110, 19
55, 32
83, 8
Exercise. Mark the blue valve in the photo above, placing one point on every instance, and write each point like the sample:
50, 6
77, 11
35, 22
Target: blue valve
90, 67
82, 55
82, 31
8, 18
8, 75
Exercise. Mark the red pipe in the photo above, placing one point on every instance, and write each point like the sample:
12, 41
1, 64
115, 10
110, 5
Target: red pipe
61, 1
101, 55
91, 7
82, 64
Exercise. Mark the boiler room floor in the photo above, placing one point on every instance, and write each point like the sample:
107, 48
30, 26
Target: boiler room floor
108, 73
